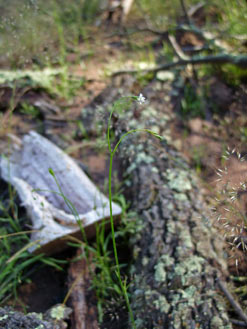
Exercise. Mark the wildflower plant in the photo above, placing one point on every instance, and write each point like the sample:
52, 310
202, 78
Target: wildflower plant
229, 209
119, 106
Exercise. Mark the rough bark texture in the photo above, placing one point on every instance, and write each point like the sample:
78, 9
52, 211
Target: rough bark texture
177, 255
52, 319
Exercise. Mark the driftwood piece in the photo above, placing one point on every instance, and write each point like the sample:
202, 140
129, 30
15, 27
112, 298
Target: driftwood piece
27, 170
82, 299
177, 255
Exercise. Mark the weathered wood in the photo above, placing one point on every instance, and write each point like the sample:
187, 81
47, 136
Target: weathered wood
27, 169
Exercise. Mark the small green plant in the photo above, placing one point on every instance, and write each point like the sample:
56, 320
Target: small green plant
191, 104
99, 256
29, 110
120, 105
16, 263
108, 273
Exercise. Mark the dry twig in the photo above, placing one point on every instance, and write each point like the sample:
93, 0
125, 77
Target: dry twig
238, 60
232, 301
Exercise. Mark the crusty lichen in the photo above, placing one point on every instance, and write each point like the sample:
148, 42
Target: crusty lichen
4, 317
178, 180
162, 267
58, 312
160, 272
162, 304
180, 197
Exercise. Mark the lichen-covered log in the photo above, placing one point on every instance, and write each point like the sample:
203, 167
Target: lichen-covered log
177, 255
175, 252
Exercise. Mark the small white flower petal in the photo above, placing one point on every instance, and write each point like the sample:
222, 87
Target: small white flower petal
141, 99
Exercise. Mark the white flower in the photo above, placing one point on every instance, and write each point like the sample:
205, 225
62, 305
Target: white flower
141, 99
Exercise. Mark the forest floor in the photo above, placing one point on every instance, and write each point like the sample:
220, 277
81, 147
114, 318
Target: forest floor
207, 118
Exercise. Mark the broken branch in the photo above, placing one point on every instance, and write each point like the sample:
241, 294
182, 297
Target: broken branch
237, 60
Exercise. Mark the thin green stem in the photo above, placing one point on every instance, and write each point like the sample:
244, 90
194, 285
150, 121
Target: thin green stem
112, 153
123, 287
111, 215
131, 132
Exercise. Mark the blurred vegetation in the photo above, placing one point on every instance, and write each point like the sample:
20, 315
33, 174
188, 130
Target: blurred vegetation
36, 31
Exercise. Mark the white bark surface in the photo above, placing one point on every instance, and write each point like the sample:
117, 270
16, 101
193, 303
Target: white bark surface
27, 169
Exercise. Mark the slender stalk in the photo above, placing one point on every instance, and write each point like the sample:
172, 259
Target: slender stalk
123, 287
112, 152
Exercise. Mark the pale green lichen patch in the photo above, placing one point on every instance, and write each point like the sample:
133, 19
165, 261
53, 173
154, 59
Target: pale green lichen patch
145, 261
180, 197
185, 238
178, 180
171, 226
36, 315
161, 267
160, 273
155, 170
193, 264
218, 323
162, 304
155, 129
187, 269
134, 124
170, 206
141, 157
189, 294
4, 317
149, 293
149, 112
58, 312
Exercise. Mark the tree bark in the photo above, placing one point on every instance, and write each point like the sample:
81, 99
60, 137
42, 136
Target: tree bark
176, 254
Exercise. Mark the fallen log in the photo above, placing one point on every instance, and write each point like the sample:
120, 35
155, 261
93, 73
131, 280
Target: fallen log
177, 255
